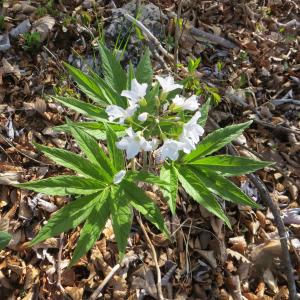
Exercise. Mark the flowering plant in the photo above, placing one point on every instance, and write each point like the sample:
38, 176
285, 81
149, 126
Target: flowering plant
152, 134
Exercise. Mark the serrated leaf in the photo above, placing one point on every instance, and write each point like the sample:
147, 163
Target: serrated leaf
141, 202
88, 85
114, 75
93, 152
64, 185
223, 187
199, 192
169, 175
95, 129
67, 217
144, 72
72, 161
5, 237
121, 214
84, 108
92, 228
216, 140
130, 75
204, 109
228, 165
116, 155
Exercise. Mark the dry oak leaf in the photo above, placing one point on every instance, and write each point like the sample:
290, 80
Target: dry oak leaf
43, 25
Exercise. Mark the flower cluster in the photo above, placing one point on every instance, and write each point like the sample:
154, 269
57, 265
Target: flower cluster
135, 142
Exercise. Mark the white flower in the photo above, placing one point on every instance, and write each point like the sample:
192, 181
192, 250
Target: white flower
190, 103
167, 84
119, 176
187, 144
143, 116
170, 149
116, 112
192, 130
137, 92
134, 142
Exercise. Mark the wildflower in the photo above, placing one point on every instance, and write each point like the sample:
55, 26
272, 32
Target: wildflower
192, 130
170, 149
136, 93
143, 116
119, 176
167, 84
187, 144
116, 112
134, 142
190, 103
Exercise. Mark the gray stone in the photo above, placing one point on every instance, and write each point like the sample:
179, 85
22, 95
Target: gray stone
23, 27
4, 42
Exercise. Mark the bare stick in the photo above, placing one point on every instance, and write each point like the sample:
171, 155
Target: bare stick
212, 38
154, 256
148, 34
177, 34
97, 292
279, 127
58, 271
285, 101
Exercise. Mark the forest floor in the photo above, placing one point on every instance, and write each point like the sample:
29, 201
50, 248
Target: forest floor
254, 73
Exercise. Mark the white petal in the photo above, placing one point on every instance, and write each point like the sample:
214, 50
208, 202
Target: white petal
191, 104
170, 149
188, 144
119, 176
143, 116
137, 91
167, 83
178, 100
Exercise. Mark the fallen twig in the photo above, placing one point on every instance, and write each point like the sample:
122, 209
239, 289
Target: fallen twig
212, 38
177, 34
154, 256
149, 35
58, 266
278, 127
285, 101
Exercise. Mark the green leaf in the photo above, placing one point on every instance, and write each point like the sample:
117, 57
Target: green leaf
64, 185
121, 214
5, 237
144, 72
130, 75
116, 155
84, 108
223, 187
93, 152
88, 85
67, 217
95, 129
72, 161
92, 228
169, 175
141, 202
114, 75
199, 192
228, 165
204, 109
143, 176
217, 140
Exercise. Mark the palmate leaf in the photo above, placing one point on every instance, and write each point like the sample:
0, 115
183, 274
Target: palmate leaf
81, 107
141, 202
114, 75
95, 129
144, 72
169, 175
228, 165
5, 237
121, 214
115, 154
88, 85
93, 226
67, 217
222, 187
73, 161
200, 193
64, 185
93, 152
216, 140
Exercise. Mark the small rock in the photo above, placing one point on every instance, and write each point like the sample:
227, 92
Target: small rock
4, 42
21, 28
87, 4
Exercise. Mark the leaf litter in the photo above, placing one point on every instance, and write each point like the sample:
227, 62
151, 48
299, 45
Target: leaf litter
258, 77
